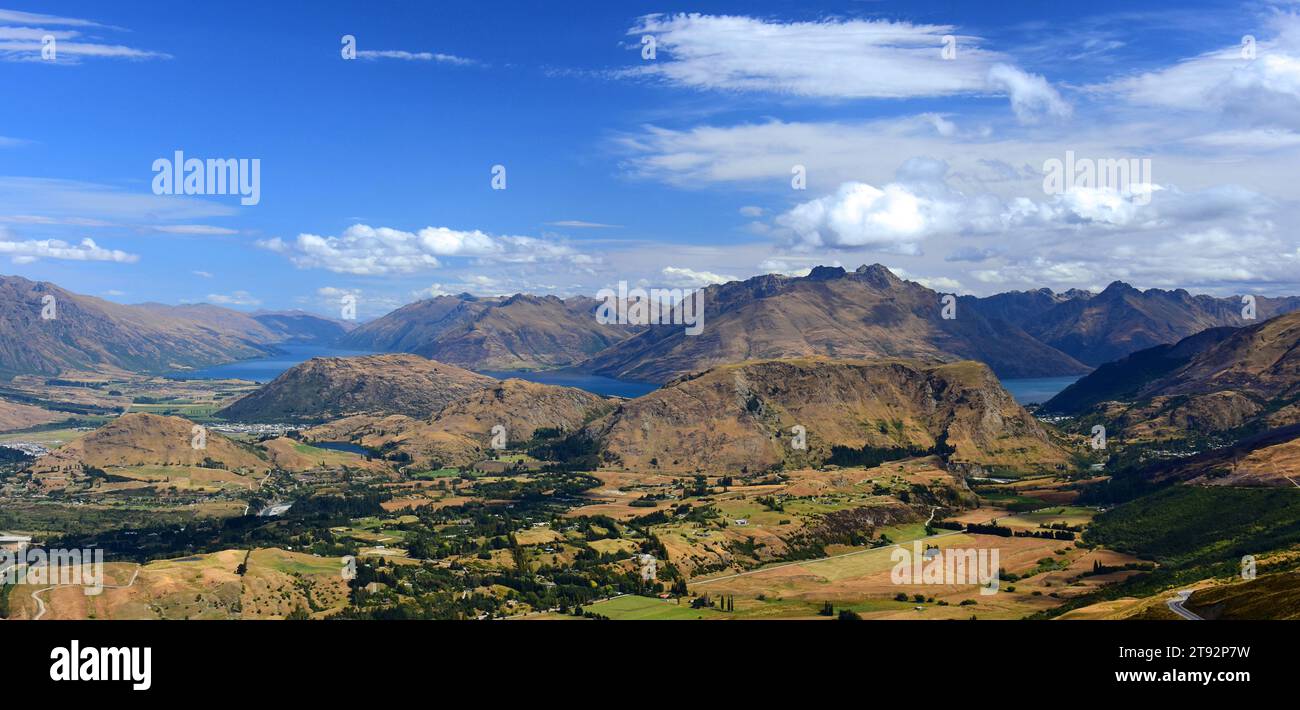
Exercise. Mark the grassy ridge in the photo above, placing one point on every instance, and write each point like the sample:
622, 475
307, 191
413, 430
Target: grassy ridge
1194, 533
1186, 526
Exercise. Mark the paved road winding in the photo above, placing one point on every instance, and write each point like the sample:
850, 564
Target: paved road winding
1176, 605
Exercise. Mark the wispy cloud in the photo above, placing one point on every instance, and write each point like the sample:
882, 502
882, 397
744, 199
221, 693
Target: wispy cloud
28, 42
194, 229
835, 59
439, 57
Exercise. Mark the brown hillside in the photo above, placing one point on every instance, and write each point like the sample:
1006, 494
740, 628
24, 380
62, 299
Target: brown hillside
330, 387
142, 440
740, 416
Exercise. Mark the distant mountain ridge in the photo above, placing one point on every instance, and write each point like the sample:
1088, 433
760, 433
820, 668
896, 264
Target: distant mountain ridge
1121, 320
89, 333
303, 327
867, 313
519, 332
1219, 379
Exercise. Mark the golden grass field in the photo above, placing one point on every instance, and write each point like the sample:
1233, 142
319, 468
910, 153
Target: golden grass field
198, 587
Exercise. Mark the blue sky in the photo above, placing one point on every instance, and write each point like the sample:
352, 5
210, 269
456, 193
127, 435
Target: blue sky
375, 172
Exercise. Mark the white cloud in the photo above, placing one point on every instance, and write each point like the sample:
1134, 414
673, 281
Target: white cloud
1031, 95
202, 274
832, 59
1263, 90
919, 204
37, 18
781, 266
690, 278
26, 252
859, 216
1250, 139
56, 199
439, 57
25, 43
943, 284
365, 250
433, 291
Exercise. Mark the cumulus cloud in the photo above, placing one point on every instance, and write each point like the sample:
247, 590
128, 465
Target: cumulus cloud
860, 216
833, 59
690, 278
365, 250
28, 251
919, 204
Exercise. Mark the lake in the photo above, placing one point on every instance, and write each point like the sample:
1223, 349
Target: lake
1026, 390
268, 368
342, 446
265, 369
1036, 390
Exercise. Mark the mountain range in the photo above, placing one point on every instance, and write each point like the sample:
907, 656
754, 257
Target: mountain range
1217, 380
520, 332
1120, 320
866, 313
76, 332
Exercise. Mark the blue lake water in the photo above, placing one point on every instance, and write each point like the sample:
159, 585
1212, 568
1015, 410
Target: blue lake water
341, 446
265, 369
1026, 391
268, 368
1036, 390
